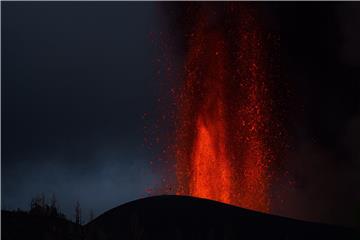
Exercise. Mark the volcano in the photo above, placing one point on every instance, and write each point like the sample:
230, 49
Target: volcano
183, 217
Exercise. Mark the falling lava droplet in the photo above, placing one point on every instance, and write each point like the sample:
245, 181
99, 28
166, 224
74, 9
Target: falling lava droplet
224, 112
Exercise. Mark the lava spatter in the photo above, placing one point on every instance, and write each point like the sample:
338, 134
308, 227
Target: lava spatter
223, 112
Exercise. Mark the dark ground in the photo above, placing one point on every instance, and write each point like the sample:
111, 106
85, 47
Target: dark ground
22, 225
171, 217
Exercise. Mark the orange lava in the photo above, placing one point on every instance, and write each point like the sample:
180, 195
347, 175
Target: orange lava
223, 119
210, 163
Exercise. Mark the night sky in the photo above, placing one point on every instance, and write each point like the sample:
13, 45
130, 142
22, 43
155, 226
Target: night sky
77, 79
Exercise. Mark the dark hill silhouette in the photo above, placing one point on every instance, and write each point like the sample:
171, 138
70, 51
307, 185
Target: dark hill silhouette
180, 217
169, 217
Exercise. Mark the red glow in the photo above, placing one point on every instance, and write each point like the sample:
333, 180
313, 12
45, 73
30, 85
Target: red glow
224, 112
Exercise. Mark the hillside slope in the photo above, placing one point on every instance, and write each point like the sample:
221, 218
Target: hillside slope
179, 217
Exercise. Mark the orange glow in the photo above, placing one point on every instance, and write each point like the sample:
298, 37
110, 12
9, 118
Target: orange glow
223, 119
210, 163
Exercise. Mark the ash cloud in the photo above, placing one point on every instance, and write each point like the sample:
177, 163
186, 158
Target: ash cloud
320, 52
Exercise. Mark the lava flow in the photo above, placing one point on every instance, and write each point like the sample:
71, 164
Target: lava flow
223, 118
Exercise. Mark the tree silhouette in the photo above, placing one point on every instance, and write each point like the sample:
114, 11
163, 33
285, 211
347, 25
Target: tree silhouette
91, 215
53, 210
38, 206
77, 213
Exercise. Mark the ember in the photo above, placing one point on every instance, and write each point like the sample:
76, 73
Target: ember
224, 112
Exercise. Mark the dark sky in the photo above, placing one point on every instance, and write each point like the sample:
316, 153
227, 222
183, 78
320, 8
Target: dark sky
320, 59
76, 80
78, 77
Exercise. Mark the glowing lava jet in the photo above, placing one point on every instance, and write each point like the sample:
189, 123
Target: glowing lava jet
224, 111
